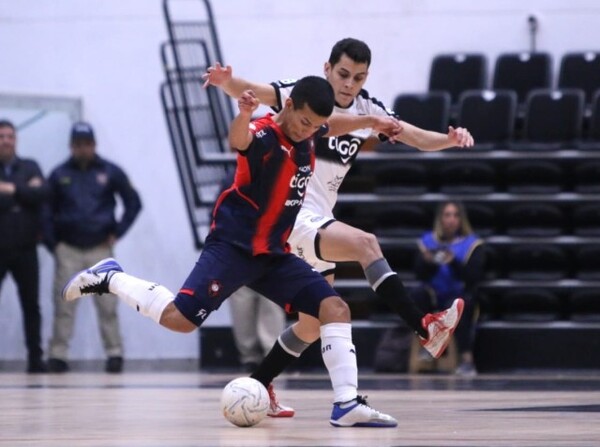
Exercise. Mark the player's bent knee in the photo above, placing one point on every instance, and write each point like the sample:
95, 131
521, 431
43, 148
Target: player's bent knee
334, 309
366, 246
174, 320
370, 242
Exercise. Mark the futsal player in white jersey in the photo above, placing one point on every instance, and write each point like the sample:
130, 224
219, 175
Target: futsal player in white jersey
318, 237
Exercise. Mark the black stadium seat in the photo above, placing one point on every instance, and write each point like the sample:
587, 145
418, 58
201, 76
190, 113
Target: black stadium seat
536, 262
403, 177
553, 119
456, 73
534, 177
584, 305
484, 219
587, 262
530, 304
594, 128
489, 116
586, 220
425, 110
466, 177
586, 177
402, 220
535, 220
582, 71
522, 73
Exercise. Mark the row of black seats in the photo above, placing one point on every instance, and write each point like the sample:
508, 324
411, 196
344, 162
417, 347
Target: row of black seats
477, 177
505, 304
520, 72
535, 304
550, 118
543, 262
519, 262
528, 219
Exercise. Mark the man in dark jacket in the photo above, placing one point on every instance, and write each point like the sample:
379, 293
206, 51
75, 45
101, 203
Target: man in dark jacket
22, 193
81, 230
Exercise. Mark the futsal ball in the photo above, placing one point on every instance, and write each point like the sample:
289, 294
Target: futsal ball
245, 402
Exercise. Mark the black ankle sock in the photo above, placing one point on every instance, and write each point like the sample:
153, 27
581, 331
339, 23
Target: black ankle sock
272, 365
394, 294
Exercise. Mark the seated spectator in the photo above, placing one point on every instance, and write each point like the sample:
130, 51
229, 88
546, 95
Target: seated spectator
449, 265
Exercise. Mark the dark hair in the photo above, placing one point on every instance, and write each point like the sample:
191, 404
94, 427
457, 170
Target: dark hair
355, 49
316, 92
6, 123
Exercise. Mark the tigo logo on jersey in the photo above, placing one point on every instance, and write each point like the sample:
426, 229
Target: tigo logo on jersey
299, 183
346, 147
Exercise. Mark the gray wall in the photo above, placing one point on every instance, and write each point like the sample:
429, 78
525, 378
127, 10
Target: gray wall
106, 54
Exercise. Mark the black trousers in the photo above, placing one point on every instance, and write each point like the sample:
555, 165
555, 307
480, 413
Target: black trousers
23, 266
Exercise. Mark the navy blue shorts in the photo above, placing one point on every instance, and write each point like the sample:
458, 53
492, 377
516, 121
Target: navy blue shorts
223, 268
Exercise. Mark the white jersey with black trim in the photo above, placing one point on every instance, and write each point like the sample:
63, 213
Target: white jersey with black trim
335, 155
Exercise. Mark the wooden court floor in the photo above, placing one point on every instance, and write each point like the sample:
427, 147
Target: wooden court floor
182, 409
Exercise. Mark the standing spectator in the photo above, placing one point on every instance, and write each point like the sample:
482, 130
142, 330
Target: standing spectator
82, 229
450, 264
22, 193
256, 321
256, 324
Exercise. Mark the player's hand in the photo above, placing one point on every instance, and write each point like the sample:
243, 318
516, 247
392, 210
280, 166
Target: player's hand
7, 188
248, 102
460, 137
217, 75
428, 256
387, 125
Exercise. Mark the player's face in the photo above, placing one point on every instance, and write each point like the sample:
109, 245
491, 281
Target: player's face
347, 79
450, 220
301, 123
7, 143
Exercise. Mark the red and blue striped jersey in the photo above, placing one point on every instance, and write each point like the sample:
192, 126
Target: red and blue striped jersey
257, 213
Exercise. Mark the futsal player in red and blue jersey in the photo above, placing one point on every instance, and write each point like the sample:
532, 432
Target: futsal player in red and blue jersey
247, 245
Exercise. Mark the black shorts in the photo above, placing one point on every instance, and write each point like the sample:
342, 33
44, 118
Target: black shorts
223, 268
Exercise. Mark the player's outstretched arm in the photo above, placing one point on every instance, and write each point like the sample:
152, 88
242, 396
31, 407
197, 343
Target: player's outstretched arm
239, 136
222, 77
342, 123
426, 140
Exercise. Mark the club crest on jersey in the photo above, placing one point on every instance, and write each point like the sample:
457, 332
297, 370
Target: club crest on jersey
345, 146
102, 178
214, 288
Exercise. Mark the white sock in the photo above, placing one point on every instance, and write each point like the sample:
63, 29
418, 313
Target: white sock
149, 299
339, 356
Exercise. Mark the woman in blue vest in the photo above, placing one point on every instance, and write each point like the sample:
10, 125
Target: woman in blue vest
449, 265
